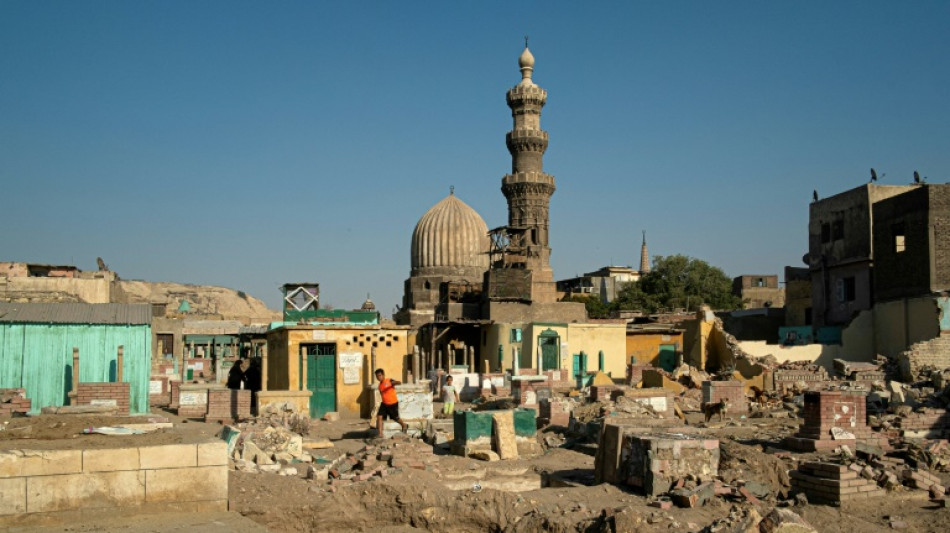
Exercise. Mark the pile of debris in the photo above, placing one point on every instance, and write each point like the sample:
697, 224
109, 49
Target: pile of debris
869, 474
374, 462
285, 414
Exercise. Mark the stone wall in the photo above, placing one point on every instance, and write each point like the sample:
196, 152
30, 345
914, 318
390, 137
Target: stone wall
116, 394
184, 477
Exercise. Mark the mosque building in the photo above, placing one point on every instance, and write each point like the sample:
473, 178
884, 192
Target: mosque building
486, 299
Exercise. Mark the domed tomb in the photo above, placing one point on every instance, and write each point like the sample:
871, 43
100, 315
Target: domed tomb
449, 256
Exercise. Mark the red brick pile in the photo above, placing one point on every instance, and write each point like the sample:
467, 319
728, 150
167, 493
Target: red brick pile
14, 402
105, 394
832, 484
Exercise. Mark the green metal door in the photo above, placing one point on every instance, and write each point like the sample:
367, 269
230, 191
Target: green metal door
668, 357
549, 341
580, 368
321, 378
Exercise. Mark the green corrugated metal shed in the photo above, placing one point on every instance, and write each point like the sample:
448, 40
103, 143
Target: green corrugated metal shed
37, 340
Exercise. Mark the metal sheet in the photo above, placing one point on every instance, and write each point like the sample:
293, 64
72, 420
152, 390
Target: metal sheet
39, 358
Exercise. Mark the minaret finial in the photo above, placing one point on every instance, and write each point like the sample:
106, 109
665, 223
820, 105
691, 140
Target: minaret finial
644, 237
452, 190
525, 41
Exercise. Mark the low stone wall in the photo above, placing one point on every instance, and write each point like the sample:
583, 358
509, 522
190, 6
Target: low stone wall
185, 477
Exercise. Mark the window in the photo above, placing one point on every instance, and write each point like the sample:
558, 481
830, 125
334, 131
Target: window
900, 244
760, 282
849, 289
825, 233
515, 335
837, 230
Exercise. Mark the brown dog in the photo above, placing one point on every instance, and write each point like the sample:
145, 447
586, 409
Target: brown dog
719, 407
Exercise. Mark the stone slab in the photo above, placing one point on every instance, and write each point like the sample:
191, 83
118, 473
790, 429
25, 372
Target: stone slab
16, 463
503, 434
74, 491
110, 460
213, 453
174, 484
168, 456
12, 496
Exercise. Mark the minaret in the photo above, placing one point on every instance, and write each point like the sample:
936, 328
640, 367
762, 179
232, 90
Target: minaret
528, 189
644, 256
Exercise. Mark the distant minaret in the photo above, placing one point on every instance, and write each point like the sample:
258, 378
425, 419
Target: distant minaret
528, 189
644, 256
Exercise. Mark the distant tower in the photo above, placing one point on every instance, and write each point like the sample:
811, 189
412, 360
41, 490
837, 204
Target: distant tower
528, 189
644, 256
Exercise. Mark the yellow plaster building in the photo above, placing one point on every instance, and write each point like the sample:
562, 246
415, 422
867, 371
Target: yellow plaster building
323, 368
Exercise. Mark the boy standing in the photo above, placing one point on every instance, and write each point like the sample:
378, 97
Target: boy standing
449, 396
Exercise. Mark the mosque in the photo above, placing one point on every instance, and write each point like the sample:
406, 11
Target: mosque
486, 299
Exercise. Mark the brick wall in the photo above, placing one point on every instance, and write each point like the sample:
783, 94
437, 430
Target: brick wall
785, 378
163, 398
14, 402
105, 394
228, 405
555, 412
935, 352
731, 391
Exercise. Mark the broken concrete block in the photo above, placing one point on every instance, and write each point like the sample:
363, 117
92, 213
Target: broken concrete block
288, 471
318, 473
694, 497
484, 455
503, 434
785, 521
759, 490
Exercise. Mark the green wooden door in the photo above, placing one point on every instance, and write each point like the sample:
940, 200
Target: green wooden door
549, 341
668, 357
321, 378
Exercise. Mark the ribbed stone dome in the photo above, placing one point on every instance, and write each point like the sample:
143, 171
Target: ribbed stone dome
450, 239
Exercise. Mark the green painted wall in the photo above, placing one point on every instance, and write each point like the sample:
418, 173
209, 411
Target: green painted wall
39, 358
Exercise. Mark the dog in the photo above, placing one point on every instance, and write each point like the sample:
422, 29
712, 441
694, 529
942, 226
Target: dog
720, 407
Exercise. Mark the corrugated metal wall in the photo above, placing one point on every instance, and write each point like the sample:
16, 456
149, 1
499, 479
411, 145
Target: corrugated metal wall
39, 358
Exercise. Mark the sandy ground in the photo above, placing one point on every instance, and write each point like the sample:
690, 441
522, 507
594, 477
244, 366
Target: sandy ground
421, 500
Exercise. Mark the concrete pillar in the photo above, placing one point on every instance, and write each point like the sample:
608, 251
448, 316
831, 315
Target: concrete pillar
515, 363
263, 367
539, 359
486, 366
372, 363
471, 359
415, 364
74, 400
118, 364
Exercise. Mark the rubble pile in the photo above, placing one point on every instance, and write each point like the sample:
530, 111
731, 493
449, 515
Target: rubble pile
374, 462
286, 415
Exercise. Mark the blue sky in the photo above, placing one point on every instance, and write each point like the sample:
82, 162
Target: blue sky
247, 144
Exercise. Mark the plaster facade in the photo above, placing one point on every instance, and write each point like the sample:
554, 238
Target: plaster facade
286, 366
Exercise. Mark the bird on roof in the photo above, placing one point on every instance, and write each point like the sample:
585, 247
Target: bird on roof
873, 175
916, 177
814, 195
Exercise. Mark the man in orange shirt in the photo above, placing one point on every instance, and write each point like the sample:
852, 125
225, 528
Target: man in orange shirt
390, 406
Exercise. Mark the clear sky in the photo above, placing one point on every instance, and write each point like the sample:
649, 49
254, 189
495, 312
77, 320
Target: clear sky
248, 144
